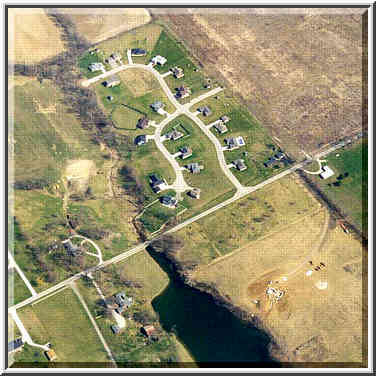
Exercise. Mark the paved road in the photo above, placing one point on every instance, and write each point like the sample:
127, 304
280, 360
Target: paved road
12, 262
81, 299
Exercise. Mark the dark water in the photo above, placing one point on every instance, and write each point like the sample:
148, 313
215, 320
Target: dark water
210, 333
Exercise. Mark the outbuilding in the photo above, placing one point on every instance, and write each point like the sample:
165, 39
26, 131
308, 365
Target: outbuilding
326, 173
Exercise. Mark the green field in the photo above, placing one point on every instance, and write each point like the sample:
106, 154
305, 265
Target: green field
352, 193
210, 180
258, 144
30, 354
17, 290
62, 321
244, 221
157, 215
45, 134
129, 346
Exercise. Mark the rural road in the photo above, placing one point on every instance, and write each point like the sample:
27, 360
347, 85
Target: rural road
82, 301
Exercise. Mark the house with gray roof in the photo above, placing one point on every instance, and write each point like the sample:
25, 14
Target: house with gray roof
240, 165
194, 168
156, 106
112, 81
169, 201
205, 110
186, 152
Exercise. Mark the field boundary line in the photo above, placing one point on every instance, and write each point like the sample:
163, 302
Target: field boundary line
265, 236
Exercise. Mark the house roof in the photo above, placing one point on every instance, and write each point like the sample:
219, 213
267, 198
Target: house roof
220, 127
194, 167
113, 79
239, 164
326, 172
140, 139
186, 150
157, 105
138, 51
174, 134
159, 59
225, 118
143, 123
168, 200
14, 345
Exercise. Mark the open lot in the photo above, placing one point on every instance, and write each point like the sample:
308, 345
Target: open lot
245, 220
258, 144
310, 74
145, 273
17, 290
352, 194
97, 24
210, 180
319, 317
32, 36
61, 320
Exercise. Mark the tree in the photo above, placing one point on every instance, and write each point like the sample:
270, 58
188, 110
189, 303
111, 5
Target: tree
168, 244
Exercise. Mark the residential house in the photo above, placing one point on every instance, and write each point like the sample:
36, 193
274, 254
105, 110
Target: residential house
115, 329
94, 67
177, 72
148, 330
186, 152
240, 165
157, 184
112, 62
116, 56
160, 60
174, 135
112, 81
169, 201
225, 119
71, 249
195, 193
220, 127
157, 106
15, 345
138, 52
279, 156
140, 139
182, 92
143, 123
122, 300
194, 168
234, 142
51, 355
205, 110
326, 173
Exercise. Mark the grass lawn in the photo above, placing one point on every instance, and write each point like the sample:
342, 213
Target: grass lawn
245, 220
352, 194
88, 59
31, 354
258, 144
210, 180
130, 344
61, 320
17, 290
143, 37
156, 215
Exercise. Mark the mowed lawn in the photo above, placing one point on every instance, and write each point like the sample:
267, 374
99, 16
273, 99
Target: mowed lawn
258, 144
176, 55
352, 194
211, 180
246, 220
17, 290
62, 321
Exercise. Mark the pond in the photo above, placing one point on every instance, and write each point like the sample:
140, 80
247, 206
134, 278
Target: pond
211, 333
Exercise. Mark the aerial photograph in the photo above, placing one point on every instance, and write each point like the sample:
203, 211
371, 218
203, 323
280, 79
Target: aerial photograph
187, 187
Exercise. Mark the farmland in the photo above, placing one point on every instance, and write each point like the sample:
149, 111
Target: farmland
99, 24
259, 146
17, 290
351, 166
33, 36
61, 320
244, 221
310, 74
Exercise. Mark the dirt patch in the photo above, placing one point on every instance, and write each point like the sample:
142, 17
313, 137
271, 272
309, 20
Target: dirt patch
78, 173
32, 36
98, 24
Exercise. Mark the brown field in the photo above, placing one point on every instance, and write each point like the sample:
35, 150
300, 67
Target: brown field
32, 36
98, 24
300, 73
310, 324
139, 82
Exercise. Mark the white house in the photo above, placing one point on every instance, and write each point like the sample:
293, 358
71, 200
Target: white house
160, 60
327, 172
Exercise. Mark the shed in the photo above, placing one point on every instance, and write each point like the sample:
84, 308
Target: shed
148, 330
51, 355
